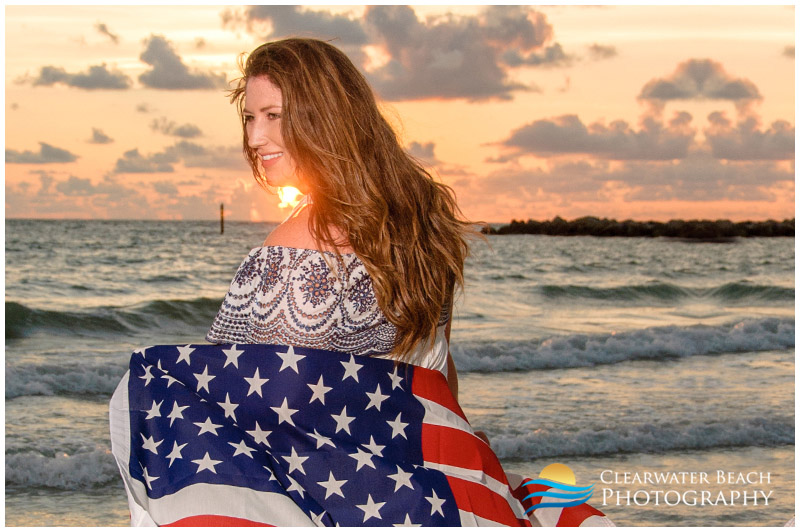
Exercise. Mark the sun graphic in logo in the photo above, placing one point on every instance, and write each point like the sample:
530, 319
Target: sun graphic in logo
559, 473
556, 487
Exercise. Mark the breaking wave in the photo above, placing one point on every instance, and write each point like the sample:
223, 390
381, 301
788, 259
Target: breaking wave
655, 343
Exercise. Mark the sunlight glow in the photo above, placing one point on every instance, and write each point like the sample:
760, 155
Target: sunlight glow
289, 197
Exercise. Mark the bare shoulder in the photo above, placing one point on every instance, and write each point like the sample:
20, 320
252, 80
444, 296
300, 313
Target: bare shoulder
295, 233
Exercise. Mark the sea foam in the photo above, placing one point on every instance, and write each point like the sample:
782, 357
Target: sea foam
63, 379
655, 343
568, 351
645, 438
64, 471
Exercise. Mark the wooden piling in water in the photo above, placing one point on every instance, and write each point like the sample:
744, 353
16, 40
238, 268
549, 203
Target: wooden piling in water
221, 218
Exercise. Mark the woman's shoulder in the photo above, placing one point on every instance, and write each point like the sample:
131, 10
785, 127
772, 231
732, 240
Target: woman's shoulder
296, 233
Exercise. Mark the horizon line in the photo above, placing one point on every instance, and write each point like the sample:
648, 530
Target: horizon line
216, 220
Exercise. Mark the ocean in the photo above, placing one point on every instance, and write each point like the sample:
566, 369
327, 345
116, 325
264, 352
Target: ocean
660, 371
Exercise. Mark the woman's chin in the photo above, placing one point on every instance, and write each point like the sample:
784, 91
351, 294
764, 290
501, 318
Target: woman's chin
280, 179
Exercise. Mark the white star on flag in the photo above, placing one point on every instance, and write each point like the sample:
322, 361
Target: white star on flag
376, 398
150, 444
436, 503
155, 410
317, 518
232, 356
255, 382
351, 368
229, 407
290, 360
401, 478
374, 448
319, 390
284, 413
206, 463
294, 486
149, 479
203, 379
363, 458
342, 421
332, 486
147, 375
260, 436
407, 522
208, 426
242, 448
321, 440
398, 427
170, 379
183, 354
370, 508
295, 461
177, 412
396, 379
175, 452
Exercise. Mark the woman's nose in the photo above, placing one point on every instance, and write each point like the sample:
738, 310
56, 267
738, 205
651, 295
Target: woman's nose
255, 135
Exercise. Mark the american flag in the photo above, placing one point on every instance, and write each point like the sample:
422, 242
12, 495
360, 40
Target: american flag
290, 436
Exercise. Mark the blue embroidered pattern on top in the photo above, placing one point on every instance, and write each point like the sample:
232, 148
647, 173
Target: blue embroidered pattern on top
316, 284
363, 296
248, 270
273, 270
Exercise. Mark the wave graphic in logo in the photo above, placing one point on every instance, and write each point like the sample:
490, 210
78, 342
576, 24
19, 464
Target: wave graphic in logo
562, 486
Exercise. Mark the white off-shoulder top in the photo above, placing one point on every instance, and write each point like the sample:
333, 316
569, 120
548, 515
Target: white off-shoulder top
290, 296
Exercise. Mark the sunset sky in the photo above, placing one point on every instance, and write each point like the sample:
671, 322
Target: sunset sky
643, 112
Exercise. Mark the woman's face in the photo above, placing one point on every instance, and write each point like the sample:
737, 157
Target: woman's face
263, 105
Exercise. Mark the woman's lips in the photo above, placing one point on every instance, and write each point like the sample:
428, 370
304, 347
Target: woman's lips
270, 159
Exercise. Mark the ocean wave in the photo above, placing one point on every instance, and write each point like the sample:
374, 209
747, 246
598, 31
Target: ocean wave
80, 470
656, 343
645, 438
568, 351
668, 292
63, 379
748, 291
23, 321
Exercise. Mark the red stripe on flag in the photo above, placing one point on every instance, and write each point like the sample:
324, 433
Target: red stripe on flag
454, 447
576, 515
215, 520
523, 491
432, 385
483, 502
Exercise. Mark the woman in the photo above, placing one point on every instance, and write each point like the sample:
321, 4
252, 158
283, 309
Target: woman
368, 262
365, 266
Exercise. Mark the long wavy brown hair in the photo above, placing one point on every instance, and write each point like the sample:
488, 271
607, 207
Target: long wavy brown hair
405, 227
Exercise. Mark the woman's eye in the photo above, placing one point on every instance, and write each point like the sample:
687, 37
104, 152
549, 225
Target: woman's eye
248, 118
273, 116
